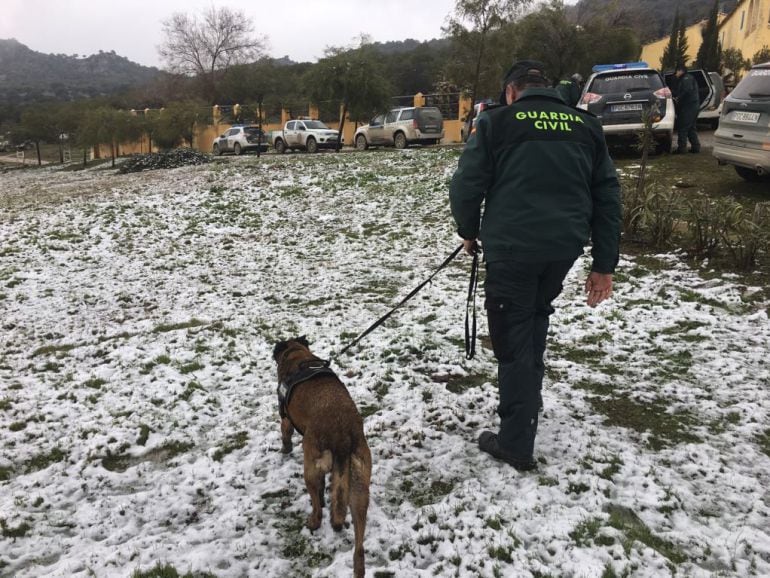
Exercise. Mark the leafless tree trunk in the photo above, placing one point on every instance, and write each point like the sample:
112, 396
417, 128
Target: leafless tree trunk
207, 45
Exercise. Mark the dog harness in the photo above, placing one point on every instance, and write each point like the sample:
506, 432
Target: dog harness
307, 370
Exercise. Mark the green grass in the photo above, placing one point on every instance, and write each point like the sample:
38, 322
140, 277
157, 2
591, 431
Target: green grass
462, 383
43, 460
764, 442
235, 442
665, 429
166, 327
5, 473
47, 349
161, 570
14, 532
634, 530
163, 453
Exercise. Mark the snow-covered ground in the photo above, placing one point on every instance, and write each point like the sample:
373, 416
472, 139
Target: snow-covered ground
137, 388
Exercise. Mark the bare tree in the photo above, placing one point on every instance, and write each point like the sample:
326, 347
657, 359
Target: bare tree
472, 23
208, 45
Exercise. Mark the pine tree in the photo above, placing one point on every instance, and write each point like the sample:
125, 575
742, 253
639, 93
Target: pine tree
709, 53
671, 52
681, 44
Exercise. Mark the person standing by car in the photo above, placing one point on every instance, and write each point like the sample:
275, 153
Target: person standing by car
687, 104
542, 171
570, 90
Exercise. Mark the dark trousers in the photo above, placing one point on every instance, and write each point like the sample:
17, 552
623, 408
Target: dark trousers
518, 304
686, 129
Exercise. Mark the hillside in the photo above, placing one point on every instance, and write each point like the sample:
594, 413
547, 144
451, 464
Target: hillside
652, 19
29, 76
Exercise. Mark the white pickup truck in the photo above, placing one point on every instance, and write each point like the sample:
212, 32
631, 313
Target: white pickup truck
308, 135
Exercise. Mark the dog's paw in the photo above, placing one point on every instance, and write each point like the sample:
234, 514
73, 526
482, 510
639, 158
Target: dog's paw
313, 522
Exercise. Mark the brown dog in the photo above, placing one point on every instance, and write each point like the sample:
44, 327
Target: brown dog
316, 403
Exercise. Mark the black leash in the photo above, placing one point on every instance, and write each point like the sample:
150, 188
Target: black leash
470, 309
382, 319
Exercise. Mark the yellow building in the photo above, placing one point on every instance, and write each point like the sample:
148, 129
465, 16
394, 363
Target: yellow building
747, 28
653, 53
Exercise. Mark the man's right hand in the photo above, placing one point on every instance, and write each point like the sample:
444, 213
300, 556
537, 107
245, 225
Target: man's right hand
471, 246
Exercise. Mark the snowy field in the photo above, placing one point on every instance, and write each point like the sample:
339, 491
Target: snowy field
137, 388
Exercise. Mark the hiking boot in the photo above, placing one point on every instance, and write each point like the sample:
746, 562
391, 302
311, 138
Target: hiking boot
488, 443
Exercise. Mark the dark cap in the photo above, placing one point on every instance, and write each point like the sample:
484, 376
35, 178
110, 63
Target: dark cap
525, 69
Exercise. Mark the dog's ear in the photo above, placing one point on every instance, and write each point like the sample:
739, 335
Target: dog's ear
302, 340
279, 348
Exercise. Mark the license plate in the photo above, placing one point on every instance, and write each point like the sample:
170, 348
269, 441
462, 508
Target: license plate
626, 107
741, 116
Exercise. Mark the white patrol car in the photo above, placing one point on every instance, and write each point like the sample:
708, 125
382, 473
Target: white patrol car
620, 94
239, 139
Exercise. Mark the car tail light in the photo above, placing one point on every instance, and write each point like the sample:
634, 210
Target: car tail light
414, 124
590, 98
663, 93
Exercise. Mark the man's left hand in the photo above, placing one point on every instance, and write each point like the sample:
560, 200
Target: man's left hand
598, 288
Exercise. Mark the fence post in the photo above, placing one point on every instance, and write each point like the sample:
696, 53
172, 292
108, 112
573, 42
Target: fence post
419, 99
285, 116
464, 109
312, 111
216, 114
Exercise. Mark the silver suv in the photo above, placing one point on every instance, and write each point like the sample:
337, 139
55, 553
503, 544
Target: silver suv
240, 139
402, 127
743, 136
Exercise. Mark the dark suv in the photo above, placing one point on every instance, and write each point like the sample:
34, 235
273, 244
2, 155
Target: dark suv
743, 136
620, 94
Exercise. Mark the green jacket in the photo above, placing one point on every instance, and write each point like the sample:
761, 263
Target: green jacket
546, 180
569, 91
687, 92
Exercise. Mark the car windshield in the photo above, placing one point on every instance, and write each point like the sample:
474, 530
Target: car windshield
756, 84
252, 130
315, 124
626, 81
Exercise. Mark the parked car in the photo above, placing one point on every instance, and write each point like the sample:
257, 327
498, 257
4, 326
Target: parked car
401, 127
239, 139
478, 108
743, 136
711, 90
305, 134
620, 95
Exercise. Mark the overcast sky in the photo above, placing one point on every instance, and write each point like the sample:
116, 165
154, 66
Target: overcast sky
300, 29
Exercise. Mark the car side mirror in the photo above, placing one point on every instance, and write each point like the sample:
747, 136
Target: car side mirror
221, 136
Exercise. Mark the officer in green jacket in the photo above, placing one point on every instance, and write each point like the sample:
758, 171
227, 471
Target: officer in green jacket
570, 90
542, 172
687, 104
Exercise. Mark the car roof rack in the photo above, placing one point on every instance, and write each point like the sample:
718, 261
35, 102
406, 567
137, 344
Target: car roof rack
621, 66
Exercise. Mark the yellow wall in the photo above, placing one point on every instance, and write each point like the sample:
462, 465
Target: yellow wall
205, 134
746, 28
653, 53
